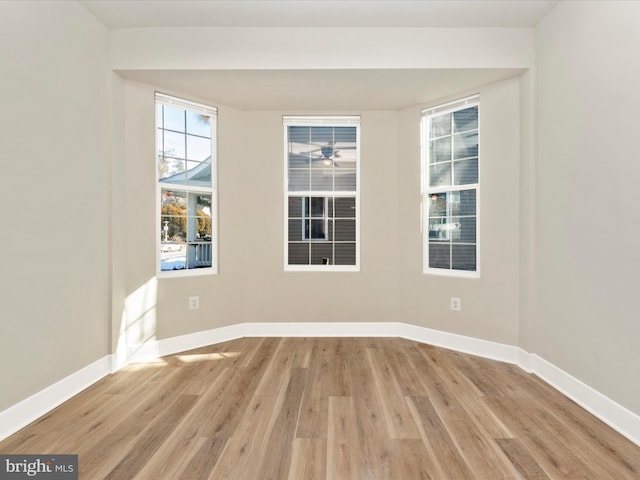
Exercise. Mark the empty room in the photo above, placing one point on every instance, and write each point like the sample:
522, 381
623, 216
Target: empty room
320, 239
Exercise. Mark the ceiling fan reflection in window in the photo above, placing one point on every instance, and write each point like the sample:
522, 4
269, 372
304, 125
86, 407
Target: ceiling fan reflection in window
324, 154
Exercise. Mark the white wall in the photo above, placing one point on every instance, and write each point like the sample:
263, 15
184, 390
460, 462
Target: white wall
54, 288
333, 48
588, 214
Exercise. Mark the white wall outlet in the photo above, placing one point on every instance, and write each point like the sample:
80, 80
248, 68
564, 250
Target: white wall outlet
456, 304
194, 302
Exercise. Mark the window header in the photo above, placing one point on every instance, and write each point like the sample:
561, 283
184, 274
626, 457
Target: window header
163, 99
334, 121
450, 106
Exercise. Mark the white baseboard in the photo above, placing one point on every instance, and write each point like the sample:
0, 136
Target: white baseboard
616, 416
619, 418
23, 413
168, 346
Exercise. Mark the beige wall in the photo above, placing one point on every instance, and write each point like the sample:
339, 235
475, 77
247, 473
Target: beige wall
54, 288
490, 303
588, 214
559, 215
252, 285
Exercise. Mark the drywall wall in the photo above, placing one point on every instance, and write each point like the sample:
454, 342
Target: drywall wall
252, 285
202, 48
54, 242
158, 308
588, 219
390, 285
489, 303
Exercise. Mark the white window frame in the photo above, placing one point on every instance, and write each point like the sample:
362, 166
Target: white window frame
329, 121
427, 191
212, 113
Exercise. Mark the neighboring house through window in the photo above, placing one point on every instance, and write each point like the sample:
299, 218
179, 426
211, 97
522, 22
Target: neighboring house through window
450, 164
186, 187
322, 193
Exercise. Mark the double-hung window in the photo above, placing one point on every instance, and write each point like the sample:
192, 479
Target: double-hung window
450, 165
186, 187
322, 193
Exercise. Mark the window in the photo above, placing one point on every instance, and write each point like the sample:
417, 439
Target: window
322, 193
450, 156
186, 179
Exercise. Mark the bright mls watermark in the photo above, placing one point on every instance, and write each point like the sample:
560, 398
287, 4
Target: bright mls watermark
50, 467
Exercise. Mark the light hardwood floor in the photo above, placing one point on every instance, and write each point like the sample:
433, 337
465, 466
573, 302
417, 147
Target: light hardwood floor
334, 408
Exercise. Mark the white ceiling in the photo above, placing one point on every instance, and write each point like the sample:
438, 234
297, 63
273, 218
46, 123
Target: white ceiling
319, 89
319, 13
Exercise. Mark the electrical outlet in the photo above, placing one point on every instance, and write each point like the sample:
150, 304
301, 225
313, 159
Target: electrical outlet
456, 304
194, 302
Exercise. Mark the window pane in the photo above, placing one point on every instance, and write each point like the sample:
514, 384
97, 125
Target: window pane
174, 144
438, 204
198, 148
199, 173
295, 207
464, 231
440, 175
321, 158
345, 136
199, 255
440, 229
345, 179
203, 217
322, 179
299, 134
321, 135
298, 253
171, 170
198, 124
315, 206
295, 229
463, 202
173, 261
464, 257
466, 119
451, 164
465, 145
345, 230
321, 254
440, 150
465, 172
185, 156
315, 229
299, 160
299, 179
203, 204
173, 227
439, 255
440, 125
345, 146
318, 161
345, 207
173, 118
345, 254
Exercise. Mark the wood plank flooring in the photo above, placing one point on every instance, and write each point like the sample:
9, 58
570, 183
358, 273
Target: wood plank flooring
327, 408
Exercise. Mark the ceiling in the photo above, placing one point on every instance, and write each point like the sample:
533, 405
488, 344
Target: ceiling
319, 13
321, 90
